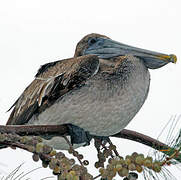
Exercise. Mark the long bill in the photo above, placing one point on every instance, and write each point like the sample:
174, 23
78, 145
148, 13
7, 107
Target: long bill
107, 48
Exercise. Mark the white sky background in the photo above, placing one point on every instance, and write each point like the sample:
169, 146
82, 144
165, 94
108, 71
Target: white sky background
35, 32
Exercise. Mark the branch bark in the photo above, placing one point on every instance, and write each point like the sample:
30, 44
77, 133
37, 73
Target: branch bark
141, 138
148, 141
35, 130
62, 130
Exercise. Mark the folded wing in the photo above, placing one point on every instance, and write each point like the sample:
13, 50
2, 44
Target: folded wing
51, 82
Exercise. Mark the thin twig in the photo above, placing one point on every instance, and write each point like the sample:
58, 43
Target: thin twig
115, 150
68, 142
97, 176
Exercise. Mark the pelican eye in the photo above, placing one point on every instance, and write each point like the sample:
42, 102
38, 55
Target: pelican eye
92, 41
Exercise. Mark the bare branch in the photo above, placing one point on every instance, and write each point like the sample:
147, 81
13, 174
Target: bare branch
62, 130
141, 138
35, 130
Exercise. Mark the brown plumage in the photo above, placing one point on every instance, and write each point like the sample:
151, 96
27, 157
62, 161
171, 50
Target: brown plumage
83, 43
51, 82
100, 90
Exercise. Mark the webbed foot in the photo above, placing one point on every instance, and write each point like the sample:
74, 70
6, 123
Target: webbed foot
103, 139
78, 135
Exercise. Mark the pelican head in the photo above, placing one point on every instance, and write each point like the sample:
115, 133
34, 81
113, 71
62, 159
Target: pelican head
106, 48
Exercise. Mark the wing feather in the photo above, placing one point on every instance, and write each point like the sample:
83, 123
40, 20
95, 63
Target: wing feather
50, 84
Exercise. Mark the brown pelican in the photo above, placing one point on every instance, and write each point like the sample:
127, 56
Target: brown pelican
100, 89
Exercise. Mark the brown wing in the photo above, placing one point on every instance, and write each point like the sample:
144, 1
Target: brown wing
50, 83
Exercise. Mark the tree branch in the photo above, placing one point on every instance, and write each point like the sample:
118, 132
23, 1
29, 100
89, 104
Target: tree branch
35, 130
148, 141
141, 138
62, 130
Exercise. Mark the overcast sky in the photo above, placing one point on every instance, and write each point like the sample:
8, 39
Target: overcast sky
35, 32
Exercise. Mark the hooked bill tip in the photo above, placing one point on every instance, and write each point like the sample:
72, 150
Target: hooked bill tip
173, 58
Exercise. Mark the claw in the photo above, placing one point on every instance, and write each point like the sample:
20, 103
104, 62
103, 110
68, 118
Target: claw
103, 139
